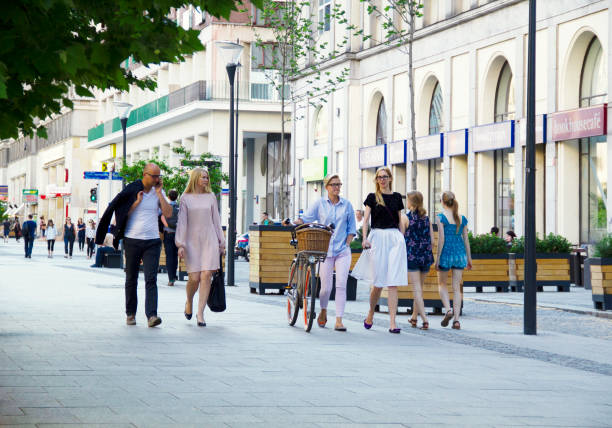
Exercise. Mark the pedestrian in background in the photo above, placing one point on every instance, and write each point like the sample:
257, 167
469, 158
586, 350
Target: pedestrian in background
105, 248
265, 220
510, 237
29, 235
81, 233
337, 211
453, 255
358, 219
51, 235
90, 236
136, 210
419, 237
6, 224
169, 237
199, 239
69, 235
43, 226
17, 229
494, 231
384, 262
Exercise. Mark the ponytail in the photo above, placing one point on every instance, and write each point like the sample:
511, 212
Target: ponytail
448, 199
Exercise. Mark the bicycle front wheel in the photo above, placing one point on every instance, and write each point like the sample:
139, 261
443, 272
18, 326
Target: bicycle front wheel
293, 298
309, 297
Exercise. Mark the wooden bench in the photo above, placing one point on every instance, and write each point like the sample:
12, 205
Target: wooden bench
552, 270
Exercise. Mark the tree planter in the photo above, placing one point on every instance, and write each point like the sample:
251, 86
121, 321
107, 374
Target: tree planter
601, 282
552, 270
488, 270
271, 256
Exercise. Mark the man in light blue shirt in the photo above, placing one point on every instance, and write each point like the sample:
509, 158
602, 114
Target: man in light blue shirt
339, 211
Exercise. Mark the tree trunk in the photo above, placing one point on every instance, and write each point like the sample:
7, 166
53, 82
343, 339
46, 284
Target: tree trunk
283, 175
413, 172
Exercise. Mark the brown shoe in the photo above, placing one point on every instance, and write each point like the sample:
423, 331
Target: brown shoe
154, 321
130, 320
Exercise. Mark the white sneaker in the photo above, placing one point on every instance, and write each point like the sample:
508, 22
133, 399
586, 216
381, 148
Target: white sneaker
65, 256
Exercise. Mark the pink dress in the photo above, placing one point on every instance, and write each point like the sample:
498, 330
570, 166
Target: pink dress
199, 232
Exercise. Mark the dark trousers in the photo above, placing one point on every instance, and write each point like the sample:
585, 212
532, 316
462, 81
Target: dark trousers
148, 251
91, 246
28, 244
171, 255
68, 245
100, 254
50, 244
81, 242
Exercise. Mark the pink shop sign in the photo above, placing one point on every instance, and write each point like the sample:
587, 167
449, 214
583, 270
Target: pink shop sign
579, 123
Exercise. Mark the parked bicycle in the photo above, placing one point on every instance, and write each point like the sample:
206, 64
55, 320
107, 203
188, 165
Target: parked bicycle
311, 240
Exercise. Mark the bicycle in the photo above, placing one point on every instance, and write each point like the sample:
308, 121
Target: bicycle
303, 272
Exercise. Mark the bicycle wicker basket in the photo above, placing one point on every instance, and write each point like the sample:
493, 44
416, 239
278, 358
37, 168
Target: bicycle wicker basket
313, 239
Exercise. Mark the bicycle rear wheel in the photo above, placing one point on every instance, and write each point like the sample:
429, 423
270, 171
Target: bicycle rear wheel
293, 305
309, 296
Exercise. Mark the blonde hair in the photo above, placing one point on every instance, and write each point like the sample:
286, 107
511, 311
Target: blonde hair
416, 203
194, 176
329, 178
379, 198
448, 199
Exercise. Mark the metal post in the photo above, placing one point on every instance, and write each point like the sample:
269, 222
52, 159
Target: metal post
530, 293
123, 161
231, 233
236, 145
97, 201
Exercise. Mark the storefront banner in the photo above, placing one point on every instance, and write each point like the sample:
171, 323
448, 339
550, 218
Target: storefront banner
429, 147
55, 191
30, 195
396, 152
540, 130
4, 192
457, 142
493, 136
314, 169
579, 123
373, 156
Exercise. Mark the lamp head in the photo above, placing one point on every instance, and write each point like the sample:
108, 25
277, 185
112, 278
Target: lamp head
122, 109
229, 52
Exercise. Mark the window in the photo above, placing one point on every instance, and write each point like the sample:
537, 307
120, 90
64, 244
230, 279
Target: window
324, 15
593, 151
504, 159
381, 123
435, 111
320, 133
266, 56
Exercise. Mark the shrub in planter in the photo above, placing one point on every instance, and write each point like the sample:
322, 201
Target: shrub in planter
487, 244
489, 263
604, 247
600, 268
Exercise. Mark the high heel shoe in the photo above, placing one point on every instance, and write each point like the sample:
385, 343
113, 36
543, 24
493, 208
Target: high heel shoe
201, 324
188, 316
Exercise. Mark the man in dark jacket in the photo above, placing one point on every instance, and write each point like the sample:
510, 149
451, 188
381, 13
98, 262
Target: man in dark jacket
29, 234
136, 209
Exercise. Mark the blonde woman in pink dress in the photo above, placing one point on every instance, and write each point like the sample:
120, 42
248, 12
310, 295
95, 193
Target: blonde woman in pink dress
199, 239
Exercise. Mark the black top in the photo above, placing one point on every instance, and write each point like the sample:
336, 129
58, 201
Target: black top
120, 206
69, 231
387, 216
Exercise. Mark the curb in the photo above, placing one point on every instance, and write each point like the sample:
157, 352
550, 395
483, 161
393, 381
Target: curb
594, 312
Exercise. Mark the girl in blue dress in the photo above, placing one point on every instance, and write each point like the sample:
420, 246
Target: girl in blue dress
419, 236
453, 255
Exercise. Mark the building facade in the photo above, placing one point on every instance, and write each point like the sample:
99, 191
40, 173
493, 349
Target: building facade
469, 70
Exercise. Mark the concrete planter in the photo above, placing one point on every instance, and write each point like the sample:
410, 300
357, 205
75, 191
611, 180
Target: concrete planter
601, 282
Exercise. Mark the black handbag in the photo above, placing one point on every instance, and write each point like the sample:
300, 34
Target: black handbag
216, 299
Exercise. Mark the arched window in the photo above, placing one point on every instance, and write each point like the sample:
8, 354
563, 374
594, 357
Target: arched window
381, 123
320, 132
593, 150
435, 111
504, 96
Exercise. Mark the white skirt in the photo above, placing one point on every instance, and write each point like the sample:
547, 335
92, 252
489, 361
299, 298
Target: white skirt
385, 264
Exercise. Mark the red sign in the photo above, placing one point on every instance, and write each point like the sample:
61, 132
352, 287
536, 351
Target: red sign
579, 123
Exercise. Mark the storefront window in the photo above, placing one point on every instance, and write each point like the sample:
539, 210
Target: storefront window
381, 124
320, 134
504, 159
593, 151
435, 166
279, 168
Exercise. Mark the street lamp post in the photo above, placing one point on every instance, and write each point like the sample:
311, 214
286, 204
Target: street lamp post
230, 52
123, 111
530, 293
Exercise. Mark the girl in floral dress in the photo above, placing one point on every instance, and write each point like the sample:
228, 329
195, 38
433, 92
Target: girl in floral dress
418, 236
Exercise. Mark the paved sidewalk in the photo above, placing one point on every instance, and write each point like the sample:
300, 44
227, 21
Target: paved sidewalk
68, 359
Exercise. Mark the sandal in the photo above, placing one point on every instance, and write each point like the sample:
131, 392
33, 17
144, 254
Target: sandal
446, 319
425, 325
413, 322
321, 323
456, 325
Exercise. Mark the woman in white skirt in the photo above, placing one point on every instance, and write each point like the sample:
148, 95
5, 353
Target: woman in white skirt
383, 262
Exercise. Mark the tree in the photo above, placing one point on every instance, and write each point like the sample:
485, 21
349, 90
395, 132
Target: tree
3, 209
297, 51
398, 22
48, 47
178, 177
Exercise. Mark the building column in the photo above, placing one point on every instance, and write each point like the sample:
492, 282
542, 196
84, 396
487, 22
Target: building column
200, 144
609, 136
446, 91
550, 161
519, 175
471, 160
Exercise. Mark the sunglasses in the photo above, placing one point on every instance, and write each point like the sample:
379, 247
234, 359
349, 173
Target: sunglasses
154, 175
335, 184
383, 177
